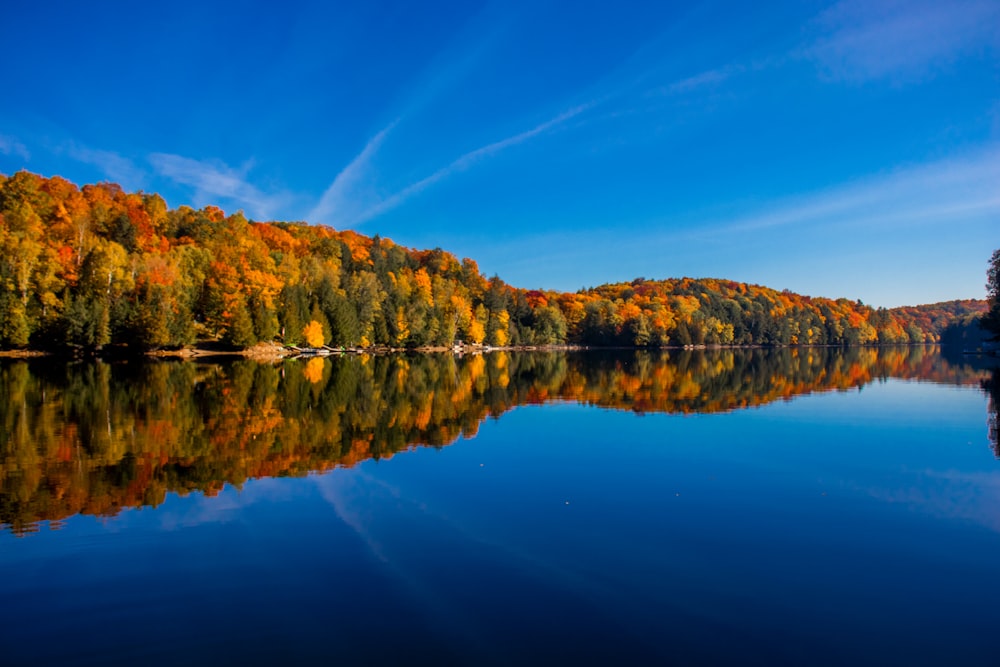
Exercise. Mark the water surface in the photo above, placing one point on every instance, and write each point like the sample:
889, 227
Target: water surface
752, 507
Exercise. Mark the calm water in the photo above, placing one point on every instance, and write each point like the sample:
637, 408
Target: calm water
783, 507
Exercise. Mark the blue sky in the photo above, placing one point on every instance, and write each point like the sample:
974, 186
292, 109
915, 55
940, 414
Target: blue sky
835, 149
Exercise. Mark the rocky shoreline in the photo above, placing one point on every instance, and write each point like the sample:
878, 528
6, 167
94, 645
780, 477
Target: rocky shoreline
269, 352
275, 351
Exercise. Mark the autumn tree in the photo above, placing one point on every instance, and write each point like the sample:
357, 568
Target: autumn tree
313, 334
991, 320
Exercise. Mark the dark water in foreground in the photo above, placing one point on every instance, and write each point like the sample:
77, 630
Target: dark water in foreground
787, 507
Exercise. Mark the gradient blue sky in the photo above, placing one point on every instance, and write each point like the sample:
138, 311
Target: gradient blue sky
834, 149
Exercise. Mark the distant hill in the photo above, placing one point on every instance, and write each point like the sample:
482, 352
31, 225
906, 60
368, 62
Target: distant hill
95, 266
934, 318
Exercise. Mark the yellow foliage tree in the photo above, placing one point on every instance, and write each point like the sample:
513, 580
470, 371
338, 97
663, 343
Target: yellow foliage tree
313, 334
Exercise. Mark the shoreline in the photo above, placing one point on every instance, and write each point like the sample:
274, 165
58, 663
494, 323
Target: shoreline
269, 352
275, 351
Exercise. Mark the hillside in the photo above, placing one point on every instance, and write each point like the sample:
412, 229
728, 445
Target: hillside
92, 266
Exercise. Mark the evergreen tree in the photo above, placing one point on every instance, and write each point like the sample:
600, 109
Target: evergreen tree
239, 332
991, 320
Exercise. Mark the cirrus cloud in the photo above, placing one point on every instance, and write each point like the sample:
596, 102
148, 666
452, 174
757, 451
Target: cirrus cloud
905, 40
213, 180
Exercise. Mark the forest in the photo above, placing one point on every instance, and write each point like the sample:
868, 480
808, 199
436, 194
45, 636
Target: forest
88, 268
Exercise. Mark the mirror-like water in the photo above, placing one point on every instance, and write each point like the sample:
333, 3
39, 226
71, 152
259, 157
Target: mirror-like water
738, 506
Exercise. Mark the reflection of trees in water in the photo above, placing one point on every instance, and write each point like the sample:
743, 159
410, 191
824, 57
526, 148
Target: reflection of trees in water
992, 387
93, 438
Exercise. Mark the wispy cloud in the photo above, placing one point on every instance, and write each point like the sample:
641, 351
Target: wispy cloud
11, 146
350, 192
887, 214
704, 79
353, 191
464, 162
353, 197
213, 180
904, 40
938, 192
114, 166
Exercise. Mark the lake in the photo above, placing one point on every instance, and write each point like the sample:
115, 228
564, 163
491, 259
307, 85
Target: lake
753, 507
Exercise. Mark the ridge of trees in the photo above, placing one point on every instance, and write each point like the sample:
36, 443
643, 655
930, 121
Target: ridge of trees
92, 266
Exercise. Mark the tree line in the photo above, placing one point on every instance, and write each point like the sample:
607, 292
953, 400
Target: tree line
84, 268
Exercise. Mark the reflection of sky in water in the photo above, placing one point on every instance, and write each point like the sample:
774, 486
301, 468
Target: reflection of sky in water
817, 530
